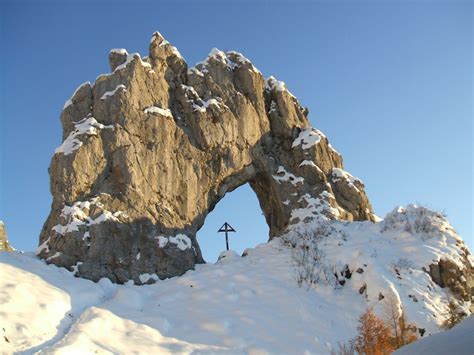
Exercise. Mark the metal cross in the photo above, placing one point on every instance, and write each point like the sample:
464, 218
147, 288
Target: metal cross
226, 227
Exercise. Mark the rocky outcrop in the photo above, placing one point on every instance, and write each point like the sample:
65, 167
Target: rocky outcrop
4, 244
446, 273
453, 266
149, 150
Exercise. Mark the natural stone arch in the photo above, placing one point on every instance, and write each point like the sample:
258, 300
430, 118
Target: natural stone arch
149, 149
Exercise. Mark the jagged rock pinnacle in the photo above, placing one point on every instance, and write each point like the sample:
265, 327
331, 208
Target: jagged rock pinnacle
150, 148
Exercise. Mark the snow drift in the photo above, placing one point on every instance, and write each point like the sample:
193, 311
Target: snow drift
243, 305
455, 341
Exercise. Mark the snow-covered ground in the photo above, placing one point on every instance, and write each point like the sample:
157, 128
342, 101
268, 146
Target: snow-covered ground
240, 305
458, 340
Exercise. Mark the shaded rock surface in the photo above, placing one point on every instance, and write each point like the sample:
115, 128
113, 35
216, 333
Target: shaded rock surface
4, 244
460, 281
150, 148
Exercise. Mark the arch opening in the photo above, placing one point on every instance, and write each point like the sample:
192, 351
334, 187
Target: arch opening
241, 209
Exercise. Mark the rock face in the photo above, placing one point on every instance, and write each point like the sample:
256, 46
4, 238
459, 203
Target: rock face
4, 244
149, 150
445, 273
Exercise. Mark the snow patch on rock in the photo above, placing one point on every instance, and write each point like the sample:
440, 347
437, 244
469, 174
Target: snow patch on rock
69, 101
340, 174
317, 208
130, 58
216, 55
77, 215
112, 93
144, 278
307, 138
310, 163
86, 126
284, 176
158, 110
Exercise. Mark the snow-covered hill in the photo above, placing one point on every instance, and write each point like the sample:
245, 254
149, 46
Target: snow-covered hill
240, 305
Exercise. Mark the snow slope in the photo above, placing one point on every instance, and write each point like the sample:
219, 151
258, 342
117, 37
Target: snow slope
458, 340
240, 305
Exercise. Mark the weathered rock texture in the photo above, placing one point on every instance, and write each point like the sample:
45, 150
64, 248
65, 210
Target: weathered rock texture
150, 149
446, 273
4, 244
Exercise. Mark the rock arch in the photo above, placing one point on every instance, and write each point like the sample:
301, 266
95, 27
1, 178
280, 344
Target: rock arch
149, 149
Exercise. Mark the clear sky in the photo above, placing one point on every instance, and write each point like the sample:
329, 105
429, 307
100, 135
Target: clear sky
389, 82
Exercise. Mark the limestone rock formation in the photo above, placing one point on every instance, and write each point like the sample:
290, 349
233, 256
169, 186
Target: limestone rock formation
150, 148
460, 281
4, 244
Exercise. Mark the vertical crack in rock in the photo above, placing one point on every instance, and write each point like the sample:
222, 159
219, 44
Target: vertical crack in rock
150, 148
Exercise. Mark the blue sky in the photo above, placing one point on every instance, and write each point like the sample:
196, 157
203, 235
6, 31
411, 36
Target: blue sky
389, 82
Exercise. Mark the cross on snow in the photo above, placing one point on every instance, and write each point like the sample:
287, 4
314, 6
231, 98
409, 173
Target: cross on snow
226, 227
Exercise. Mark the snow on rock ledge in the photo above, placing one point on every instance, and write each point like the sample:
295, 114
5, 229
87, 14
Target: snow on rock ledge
158, 110
112, 93
69, 102
284, 176
307, 138
86, 126
181, 241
